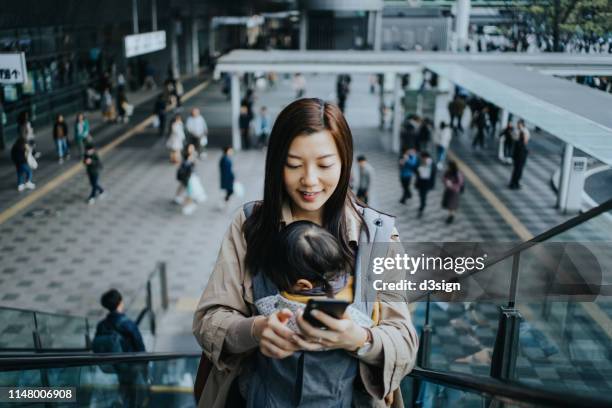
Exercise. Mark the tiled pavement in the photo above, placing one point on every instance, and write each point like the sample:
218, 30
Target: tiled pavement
61, 262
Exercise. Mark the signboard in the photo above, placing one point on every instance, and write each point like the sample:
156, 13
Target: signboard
13, 68
138, 44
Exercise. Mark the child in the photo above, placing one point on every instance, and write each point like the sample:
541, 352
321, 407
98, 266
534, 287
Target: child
93, 166
310, 265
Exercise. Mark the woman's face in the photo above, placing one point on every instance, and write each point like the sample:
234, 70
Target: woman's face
312, 172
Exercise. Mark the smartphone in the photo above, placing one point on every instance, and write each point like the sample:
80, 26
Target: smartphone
333, 307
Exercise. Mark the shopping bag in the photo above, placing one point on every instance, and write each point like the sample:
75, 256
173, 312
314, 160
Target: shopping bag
195, 189
238, 189
32, 161
155, 122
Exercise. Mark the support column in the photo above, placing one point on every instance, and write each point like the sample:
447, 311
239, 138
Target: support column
397, 114
378, 30
235, 94
174, 49
566, 166
135, 16
504, 116
194, 45
462, 23
153, 15
303, 30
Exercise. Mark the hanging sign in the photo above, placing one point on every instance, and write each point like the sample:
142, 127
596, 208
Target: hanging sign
13, 68
138, 44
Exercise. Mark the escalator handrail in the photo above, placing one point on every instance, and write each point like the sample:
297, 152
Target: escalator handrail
554, 231
62, 360
511, 390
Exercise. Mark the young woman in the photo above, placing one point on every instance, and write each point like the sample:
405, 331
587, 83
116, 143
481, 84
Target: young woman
81, 133
308, 167
176, 140
60, 136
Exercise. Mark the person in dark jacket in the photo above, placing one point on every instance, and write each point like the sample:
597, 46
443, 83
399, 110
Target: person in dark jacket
93, 166
160, 111
407, 165
227, 173
131, 378
60, 135
244, 122
19, 156
519, 155
453, 186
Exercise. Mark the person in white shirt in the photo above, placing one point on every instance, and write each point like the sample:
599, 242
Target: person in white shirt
263, 126
443, 139
176, 140
197, 130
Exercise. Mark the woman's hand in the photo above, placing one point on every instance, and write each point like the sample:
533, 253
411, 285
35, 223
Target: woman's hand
340, 334
274, 337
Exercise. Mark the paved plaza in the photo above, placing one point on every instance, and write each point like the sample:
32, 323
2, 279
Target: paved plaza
59, 254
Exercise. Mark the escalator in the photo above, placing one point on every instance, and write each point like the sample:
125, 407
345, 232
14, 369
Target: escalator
521, 352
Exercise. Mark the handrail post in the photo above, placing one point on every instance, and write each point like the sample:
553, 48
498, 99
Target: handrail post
163, 278
505, 351
150, 307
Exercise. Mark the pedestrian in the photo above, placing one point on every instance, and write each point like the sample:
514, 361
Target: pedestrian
409, 132
407, 165
197, 131
426, 177
456, 107
106, 104
299, 85
506, 143
244, 122
481, 122
263, 127
343, 83
365, 178
453, 187
160, 110
60, 136
227, 173
123, 108
423, 136
117, 333
20, 153
519, 155
190, 190
176, 140
81, 133
26, 131
93, 165
443, 139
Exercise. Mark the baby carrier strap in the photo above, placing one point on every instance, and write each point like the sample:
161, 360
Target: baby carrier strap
380, 227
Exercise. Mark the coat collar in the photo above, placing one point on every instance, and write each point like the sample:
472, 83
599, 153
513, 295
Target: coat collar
353, 223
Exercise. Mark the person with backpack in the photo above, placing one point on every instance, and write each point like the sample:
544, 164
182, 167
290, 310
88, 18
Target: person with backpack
308, 167
116, 333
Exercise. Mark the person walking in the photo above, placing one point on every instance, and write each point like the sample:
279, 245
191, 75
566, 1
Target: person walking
307, 176
456, 107
226, 172
423, 136
409, 132
197, 131
106, 104
407, 164
519, 155
60, 136
190, 190
93, 165
159, 109
426, 177
176, 140
453, 187
19, 155
244, 122
299, 85
81, 133
26, 131
343, 87
365, 178
481, 122
443, 139
263, 127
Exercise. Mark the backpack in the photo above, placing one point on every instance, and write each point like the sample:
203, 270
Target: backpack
108, 339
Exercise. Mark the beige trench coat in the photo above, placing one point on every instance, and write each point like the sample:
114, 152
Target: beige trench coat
228, 297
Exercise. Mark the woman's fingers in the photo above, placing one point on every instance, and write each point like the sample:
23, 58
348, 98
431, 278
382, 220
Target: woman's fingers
270, 336
306, 345
278, 323
272, 351
312, 333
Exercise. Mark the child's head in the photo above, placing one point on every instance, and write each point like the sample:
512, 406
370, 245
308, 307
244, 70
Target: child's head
309, 258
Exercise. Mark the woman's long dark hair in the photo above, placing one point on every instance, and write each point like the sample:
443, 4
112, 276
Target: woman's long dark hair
302, 117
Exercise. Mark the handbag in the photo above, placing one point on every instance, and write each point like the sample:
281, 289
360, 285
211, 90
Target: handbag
31, 160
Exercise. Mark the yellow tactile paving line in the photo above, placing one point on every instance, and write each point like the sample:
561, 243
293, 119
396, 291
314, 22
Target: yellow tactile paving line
591, 308
76, 168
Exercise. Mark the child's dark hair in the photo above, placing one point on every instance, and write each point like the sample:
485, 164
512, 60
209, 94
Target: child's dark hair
307, 251
111, 299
